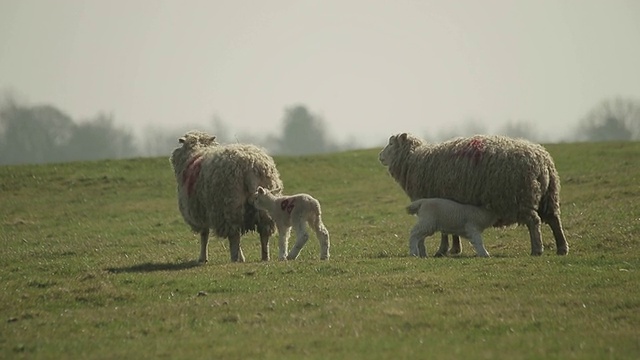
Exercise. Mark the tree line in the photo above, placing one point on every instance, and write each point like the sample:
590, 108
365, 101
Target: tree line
45, 134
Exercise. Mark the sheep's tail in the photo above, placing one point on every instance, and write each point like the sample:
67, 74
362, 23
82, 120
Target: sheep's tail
549, 206
414, 207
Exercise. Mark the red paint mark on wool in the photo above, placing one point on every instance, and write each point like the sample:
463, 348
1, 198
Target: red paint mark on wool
287, 205
473, 150
191, 172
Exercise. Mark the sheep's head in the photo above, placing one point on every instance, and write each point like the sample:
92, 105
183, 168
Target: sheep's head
397, 144
195, 138
190, 142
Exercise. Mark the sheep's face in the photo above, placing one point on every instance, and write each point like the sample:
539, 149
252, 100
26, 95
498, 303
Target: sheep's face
390, 150
397, 144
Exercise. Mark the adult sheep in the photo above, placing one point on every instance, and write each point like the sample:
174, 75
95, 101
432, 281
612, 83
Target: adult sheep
515, 179
215, 183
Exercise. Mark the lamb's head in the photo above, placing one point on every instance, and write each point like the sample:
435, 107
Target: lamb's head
262, 197
190, 142
398, 144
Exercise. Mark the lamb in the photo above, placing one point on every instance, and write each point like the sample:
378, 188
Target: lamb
215, 183
294, 211
448, 216
513, 178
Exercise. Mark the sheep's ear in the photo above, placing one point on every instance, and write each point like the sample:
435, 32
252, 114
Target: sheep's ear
403, 137
260, 190
276, 190
181, 140
212, 140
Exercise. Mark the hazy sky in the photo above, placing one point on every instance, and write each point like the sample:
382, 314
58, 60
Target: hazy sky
370, 68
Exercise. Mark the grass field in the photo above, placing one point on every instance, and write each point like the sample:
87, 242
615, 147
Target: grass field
96, 263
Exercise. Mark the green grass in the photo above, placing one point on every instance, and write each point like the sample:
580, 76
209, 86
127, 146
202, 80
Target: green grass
96, 262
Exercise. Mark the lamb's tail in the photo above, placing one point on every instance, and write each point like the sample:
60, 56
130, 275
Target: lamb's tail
414, 207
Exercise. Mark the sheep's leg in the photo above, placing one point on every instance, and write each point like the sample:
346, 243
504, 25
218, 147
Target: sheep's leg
323, 237
562, 247
265, 230
301, 238
235, 249
283, 242
456, 245
534, 233
476, 240
444, 245
204, 246
264, 245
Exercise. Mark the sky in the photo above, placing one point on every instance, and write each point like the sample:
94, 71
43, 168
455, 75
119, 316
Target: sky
369, 68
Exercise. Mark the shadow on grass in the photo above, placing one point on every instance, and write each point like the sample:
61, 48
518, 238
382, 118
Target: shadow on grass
151, 267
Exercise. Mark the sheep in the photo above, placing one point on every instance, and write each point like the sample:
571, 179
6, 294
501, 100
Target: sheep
513, 178
436, 214
294, 211
214, 185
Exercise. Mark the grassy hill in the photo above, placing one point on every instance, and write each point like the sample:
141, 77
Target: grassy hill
96, 262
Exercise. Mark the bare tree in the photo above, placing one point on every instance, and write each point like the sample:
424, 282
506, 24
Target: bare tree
612, 119
520, 129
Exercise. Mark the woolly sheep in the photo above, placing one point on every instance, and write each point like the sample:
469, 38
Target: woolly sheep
294, 211
513, 178
215, 183
450, 217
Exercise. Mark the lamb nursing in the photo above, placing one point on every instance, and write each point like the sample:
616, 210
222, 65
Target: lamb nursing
450, 217
293, 211
214, 185
513, 178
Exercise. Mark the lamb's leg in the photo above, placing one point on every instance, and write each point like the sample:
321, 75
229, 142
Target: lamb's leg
283, 242
265, 229
562, 247
444, 245
422, 250
456, 245
204, 246
417, 238
323, 237
476, 240
235, 249
301, 238
534, 233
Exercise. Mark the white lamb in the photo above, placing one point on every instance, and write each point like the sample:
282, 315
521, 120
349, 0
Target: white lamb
294, 211
436, 214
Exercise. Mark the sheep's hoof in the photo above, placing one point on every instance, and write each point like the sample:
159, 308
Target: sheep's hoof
562, 251
536, 253
203, 261
438, 254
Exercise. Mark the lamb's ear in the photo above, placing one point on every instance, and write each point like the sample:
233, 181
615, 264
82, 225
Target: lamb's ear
403, 137
260, 190
276, 190
181, 140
